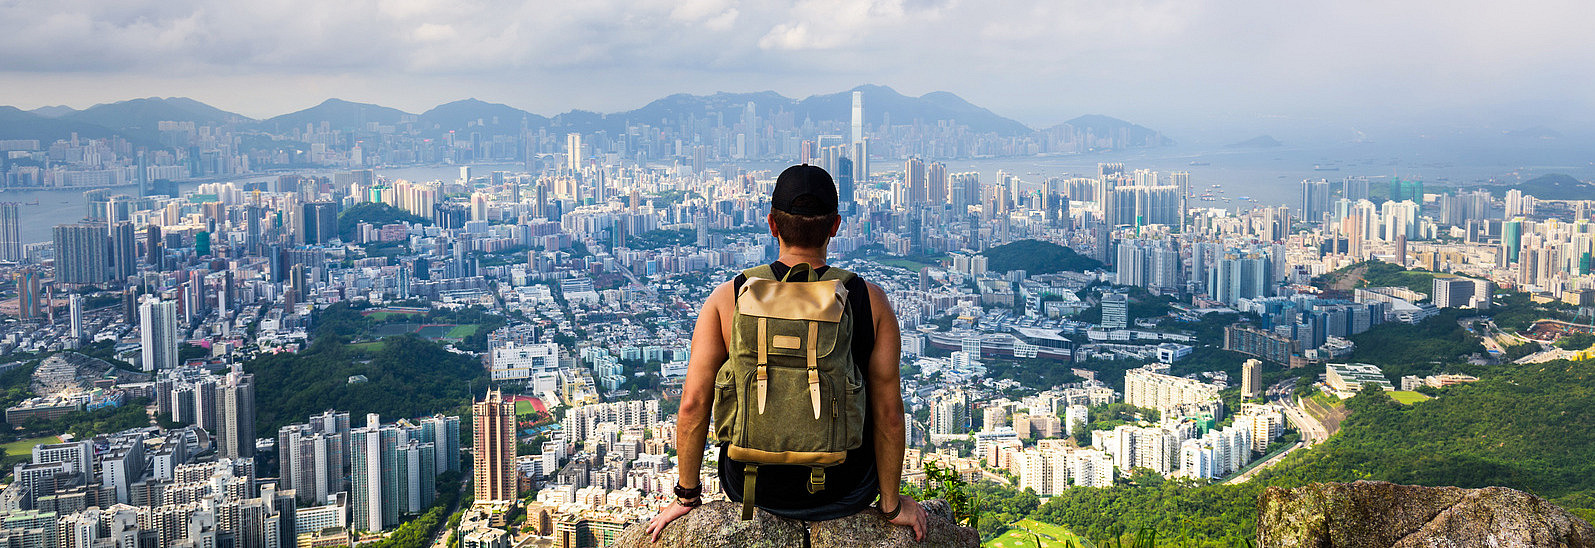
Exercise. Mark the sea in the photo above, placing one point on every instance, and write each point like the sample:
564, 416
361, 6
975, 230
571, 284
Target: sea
1247, 176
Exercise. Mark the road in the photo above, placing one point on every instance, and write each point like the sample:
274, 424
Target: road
440, 539
1312, 432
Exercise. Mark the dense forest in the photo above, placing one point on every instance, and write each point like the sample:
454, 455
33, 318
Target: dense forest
406, 376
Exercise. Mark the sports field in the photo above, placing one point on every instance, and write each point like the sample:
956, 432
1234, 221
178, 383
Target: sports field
1407, 397
1026, 532
526, 405
25, 447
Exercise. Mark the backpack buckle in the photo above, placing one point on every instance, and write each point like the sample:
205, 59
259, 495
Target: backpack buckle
816, 480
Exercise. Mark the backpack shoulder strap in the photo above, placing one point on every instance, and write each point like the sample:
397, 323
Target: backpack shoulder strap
835, 273
761, 271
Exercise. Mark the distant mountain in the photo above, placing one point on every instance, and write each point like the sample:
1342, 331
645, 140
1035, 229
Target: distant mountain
338, 113
882, 104
56, 111
493, 118
1553, 186
16, 123
144, 114
137, 119
1260, 141
1099, 132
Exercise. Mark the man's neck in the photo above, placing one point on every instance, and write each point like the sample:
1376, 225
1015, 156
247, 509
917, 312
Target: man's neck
794, 256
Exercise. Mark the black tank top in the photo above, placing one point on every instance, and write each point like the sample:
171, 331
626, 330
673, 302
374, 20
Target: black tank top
850, 487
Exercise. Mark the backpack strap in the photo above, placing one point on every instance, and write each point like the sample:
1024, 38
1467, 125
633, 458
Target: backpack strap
761, 271
834, 273
750, 479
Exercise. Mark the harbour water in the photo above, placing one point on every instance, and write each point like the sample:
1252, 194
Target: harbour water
1270, 176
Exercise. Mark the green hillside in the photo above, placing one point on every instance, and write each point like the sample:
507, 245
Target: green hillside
1037, 257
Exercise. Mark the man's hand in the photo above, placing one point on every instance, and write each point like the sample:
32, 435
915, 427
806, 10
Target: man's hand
669, 514
909, 515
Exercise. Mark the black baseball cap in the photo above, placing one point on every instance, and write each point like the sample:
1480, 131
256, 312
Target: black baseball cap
804, 190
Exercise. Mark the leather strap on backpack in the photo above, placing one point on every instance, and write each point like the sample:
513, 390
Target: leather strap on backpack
750, 479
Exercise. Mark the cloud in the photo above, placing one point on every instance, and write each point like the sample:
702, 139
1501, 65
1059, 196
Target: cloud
1043, 60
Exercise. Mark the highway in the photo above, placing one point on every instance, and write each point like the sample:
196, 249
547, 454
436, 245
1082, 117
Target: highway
1311, 430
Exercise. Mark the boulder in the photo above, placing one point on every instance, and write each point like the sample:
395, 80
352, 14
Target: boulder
719, 523
1368, 514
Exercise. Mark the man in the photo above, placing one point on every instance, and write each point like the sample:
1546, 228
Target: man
803, 218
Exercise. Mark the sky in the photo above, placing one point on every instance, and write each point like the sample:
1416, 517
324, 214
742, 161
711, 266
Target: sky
1167, 64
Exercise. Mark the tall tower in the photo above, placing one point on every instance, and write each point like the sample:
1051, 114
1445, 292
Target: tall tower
235, 402
10, 232
573, 152
157, 328
495, 448
858, 116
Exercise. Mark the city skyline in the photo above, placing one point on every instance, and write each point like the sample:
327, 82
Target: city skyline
1194, 64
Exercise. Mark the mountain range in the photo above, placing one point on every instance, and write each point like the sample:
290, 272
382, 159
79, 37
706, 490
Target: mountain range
137, 119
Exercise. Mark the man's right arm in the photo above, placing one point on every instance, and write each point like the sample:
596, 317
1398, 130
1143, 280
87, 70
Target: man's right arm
697, 390
692, 420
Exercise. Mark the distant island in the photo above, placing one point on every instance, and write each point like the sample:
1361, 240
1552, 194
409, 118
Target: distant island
1260, 141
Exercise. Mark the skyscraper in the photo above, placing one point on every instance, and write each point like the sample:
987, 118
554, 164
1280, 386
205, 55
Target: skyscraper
368, 508
858, 117
1314, 199
75, 309
81, 254
494, 448
153, 251
158, 334
573, 152
124, 252
29, 298
1252, 378
235, 414
313, 456
320, 222
914, 181
10, 232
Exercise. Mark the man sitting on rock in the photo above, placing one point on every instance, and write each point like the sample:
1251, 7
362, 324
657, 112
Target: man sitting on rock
803, 218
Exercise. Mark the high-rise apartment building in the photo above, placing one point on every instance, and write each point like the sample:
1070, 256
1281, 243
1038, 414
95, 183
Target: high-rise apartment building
1252, 378
1314, 199
495, 448
320, 222
235, 416
573, 152
157, 321
1115, 311
81, 254
1144, 388
124, 252
313, 456
10, 232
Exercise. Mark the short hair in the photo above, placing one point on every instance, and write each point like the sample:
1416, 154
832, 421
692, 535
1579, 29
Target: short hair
805, 231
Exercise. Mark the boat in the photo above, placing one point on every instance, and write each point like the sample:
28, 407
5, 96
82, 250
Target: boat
1325, 168
1196, 163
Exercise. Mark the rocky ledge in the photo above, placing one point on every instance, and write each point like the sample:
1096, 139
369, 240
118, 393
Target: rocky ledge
719, 523
1370, 514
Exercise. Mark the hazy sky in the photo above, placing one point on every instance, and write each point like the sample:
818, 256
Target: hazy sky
1161, 63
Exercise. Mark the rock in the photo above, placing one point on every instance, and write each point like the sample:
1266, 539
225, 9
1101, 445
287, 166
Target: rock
868, 530
719, 523
1368, 514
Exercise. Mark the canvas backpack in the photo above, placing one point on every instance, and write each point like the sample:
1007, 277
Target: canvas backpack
790, 393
